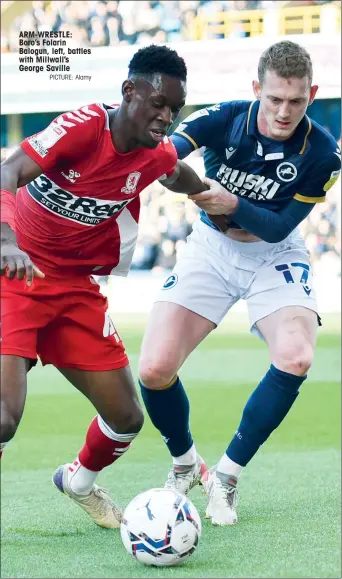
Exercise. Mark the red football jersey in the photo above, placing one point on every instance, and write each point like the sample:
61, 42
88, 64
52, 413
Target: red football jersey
81, 215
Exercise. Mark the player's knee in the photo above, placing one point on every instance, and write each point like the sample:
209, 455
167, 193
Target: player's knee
130, 420
8, 425
154, 375
295, 359
135, 420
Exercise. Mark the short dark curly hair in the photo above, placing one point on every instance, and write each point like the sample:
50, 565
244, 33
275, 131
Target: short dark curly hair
157, 59
286, 59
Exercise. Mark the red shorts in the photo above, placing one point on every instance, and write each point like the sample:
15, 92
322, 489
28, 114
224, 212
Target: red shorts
65, 323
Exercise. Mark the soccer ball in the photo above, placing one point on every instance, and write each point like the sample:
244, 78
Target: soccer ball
160, 527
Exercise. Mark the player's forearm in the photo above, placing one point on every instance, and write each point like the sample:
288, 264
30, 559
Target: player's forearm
9, 178
18, 170
7, 234
187, 182
268, 225
7, 204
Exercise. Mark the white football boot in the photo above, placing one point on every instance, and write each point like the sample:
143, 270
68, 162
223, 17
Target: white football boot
183, 478
98, 504
222, 497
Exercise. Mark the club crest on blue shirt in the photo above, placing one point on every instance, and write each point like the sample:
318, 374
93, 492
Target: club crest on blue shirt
171, 281
286, 171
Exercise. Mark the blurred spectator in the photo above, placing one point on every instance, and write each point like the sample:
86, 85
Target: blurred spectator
5, 46
188, 25
103, 23
97, 35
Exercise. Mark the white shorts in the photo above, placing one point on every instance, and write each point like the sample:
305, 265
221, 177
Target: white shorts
214, 272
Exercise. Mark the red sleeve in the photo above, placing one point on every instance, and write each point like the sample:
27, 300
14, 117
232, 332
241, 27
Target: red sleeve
67, 137
169, 158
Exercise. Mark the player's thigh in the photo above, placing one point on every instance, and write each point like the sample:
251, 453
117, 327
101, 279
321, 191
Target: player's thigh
83, 336
21, 316
85, 346
12, 393
290, 334
285, 282
289, 325
112, 393
172, 333
192, 302
283, 310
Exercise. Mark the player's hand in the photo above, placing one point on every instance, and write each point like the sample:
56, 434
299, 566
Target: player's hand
16, 263
217, 200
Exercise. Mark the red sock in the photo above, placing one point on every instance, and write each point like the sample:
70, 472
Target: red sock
102, 449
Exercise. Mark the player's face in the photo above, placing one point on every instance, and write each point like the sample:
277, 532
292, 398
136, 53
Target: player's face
153, 107
283, 104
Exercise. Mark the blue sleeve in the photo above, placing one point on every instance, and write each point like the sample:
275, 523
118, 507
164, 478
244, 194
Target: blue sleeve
268, 225
205, 127
183, 146
323, 173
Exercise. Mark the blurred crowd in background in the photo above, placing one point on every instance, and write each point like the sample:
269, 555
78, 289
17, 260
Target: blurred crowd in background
166, 220
104, 23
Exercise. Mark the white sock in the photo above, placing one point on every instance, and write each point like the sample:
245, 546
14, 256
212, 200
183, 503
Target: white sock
228, 466
186, 459
80, 479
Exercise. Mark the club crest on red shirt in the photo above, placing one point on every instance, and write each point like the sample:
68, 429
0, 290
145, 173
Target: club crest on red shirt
131, 182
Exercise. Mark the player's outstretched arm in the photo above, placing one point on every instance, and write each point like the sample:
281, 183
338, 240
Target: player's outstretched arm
264, 223
16, 171
185, 180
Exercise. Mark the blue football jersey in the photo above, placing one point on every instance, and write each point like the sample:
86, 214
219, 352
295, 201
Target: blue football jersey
264, 171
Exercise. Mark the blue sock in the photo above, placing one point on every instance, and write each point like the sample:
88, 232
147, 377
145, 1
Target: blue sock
169, 411
264, 411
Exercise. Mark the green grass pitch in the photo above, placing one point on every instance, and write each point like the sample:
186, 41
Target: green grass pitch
289, 509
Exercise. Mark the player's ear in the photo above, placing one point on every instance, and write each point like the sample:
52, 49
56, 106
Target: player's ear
127, 90
313, 91
256, 89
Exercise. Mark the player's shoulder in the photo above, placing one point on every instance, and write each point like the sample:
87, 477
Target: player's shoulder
323, 143
161, 160
213, 121
324, 156
236, 108
89, 118
224, 109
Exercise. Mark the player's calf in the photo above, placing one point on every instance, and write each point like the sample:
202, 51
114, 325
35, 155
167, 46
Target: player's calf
13, 394
169, 411
102, 447
9, 424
